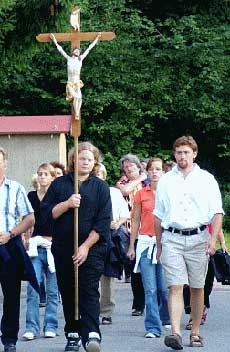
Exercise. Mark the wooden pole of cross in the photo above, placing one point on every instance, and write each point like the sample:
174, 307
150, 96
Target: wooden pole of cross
75, 37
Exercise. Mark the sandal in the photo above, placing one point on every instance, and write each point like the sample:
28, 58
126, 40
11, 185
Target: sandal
196, 341
204, 315
188, 326
174, 341
106, 320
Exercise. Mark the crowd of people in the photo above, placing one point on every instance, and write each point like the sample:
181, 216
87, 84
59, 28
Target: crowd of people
159, 225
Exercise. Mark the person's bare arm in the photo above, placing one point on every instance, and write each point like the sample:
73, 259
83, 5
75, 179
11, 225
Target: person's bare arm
83, 250
59, 47
116, 224
63, 207
29, 233
90, 47
127, 188
27, 222
221, 240
216, 228
135, 225
158, 232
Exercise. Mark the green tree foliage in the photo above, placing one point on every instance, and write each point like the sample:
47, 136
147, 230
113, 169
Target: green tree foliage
226, 200
165, 74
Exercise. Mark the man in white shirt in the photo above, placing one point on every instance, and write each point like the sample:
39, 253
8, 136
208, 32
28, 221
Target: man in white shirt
187, 199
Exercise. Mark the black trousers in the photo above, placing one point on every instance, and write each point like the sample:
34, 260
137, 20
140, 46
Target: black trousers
10, 279
207, 290
138, 292
137, 288
89, 275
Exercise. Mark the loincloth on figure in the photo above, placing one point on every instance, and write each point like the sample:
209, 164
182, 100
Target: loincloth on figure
75, 86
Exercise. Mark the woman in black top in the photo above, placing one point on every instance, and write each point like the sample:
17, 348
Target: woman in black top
42, 260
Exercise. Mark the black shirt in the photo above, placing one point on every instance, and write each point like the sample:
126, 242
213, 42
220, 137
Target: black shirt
41, 228
94, 212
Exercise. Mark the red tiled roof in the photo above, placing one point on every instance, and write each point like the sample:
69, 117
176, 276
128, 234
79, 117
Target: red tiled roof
35, 124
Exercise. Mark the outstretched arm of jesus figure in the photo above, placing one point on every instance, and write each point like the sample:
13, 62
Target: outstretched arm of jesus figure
59, 48
90, 47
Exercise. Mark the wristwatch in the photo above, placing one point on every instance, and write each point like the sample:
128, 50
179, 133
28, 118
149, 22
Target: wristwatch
12, 235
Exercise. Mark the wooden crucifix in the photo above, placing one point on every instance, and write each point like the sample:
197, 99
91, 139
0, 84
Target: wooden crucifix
73, 94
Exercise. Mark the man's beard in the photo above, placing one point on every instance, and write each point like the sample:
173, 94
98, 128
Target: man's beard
184, 165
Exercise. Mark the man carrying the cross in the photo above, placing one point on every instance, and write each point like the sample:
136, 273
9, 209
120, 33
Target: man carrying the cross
94, 217
74, 64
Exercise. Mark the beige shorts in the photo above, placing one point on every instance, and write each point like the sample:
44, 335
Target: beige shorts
184, 259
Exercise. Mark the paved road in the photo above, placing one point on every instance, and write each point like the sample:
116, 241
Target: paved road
126, 332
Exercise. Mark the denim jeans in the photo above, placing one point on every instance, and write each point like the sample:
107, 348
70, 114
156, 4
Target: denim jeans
155, 295
40, 265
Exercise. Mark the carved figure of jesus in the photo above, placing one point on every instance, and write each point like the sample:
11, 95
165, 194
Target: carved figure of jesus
74, 65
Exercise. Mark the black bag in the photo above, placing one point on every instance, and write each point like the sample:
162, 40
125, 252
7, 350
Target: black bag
221, 266
121, 239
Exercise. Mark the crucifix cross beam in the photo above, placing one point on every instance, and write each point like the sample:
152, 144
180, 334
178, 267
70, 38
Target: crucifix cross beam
75, 36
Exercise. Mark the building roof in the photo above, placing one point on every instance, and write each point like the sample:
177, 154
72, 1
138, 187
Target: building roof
35, 124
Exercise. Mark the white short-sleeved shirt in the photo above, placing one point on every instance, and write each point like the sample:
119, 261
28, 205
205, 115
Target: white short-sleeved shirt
14, 204
187, 202
119, 205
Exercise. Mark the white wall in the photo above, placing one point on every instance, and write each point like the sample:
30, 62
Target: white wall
27, 152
